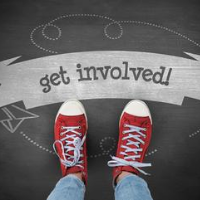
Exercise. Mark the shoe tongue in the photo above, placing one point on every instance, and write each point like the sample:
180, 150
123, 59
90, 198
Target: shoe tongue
74, 169
71, 123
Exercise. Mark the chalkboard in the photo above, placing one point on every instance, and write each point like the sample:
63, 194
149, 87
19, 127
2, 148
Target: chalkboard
104, 53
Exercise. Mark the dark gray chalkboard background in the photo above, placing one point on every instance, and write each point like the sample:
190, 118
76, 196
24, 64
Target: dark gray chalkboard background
30, 172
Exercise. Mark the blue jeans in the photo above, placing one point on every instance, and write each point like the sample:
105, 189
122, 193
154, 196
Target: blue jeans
130, 187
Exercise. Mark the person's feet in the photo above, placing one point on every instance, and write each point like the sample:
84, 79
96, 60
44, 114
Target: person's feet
135, 129
70, 138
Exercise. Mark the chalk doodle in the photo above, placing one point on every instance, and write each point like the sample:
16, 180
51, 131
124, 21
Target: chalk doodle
194, 133
110, 21
12, 123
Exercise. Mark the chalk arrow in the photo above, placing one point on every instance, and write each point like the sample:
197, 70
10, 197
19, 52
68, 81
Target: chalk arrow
21, 81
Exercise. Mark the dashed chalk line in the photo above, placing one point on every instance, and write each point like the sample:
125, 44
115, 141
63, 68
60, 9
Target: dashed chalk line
111, 22
37, 45
194, 133
44, 26
36, 144
50, 38
163, 28
151, 152
105, 152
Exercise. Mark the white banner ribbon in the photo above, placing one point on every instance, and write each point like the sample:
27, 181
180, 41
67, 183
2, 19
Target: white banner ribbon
103, 74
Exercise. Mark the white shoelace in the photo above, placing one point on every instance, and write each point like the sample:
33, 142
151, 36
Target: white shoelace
124, 162
73, 160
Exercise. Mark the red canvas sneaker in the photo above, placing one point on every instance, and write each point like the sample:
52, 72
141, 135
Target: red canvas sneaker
135, 129
70, 138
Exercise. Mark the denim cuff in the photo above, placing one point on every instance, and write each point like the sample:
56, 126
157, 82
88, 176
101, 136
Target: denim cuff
73, 178
126, 178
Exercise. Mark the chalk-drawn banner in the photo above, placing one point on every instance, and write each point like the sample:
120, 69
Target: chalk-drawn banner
100, 74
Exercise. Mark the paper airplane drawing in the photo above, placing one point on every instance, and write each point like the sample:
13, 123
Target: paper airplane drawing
16, 116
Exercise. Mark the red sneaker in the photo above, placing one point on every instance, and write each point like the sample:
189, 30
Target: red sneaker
70, 138
135, 129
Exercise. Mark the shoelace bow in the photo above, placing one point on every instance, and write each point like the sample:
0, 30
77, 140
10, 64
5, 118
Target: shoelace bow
72, 160
116, 161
